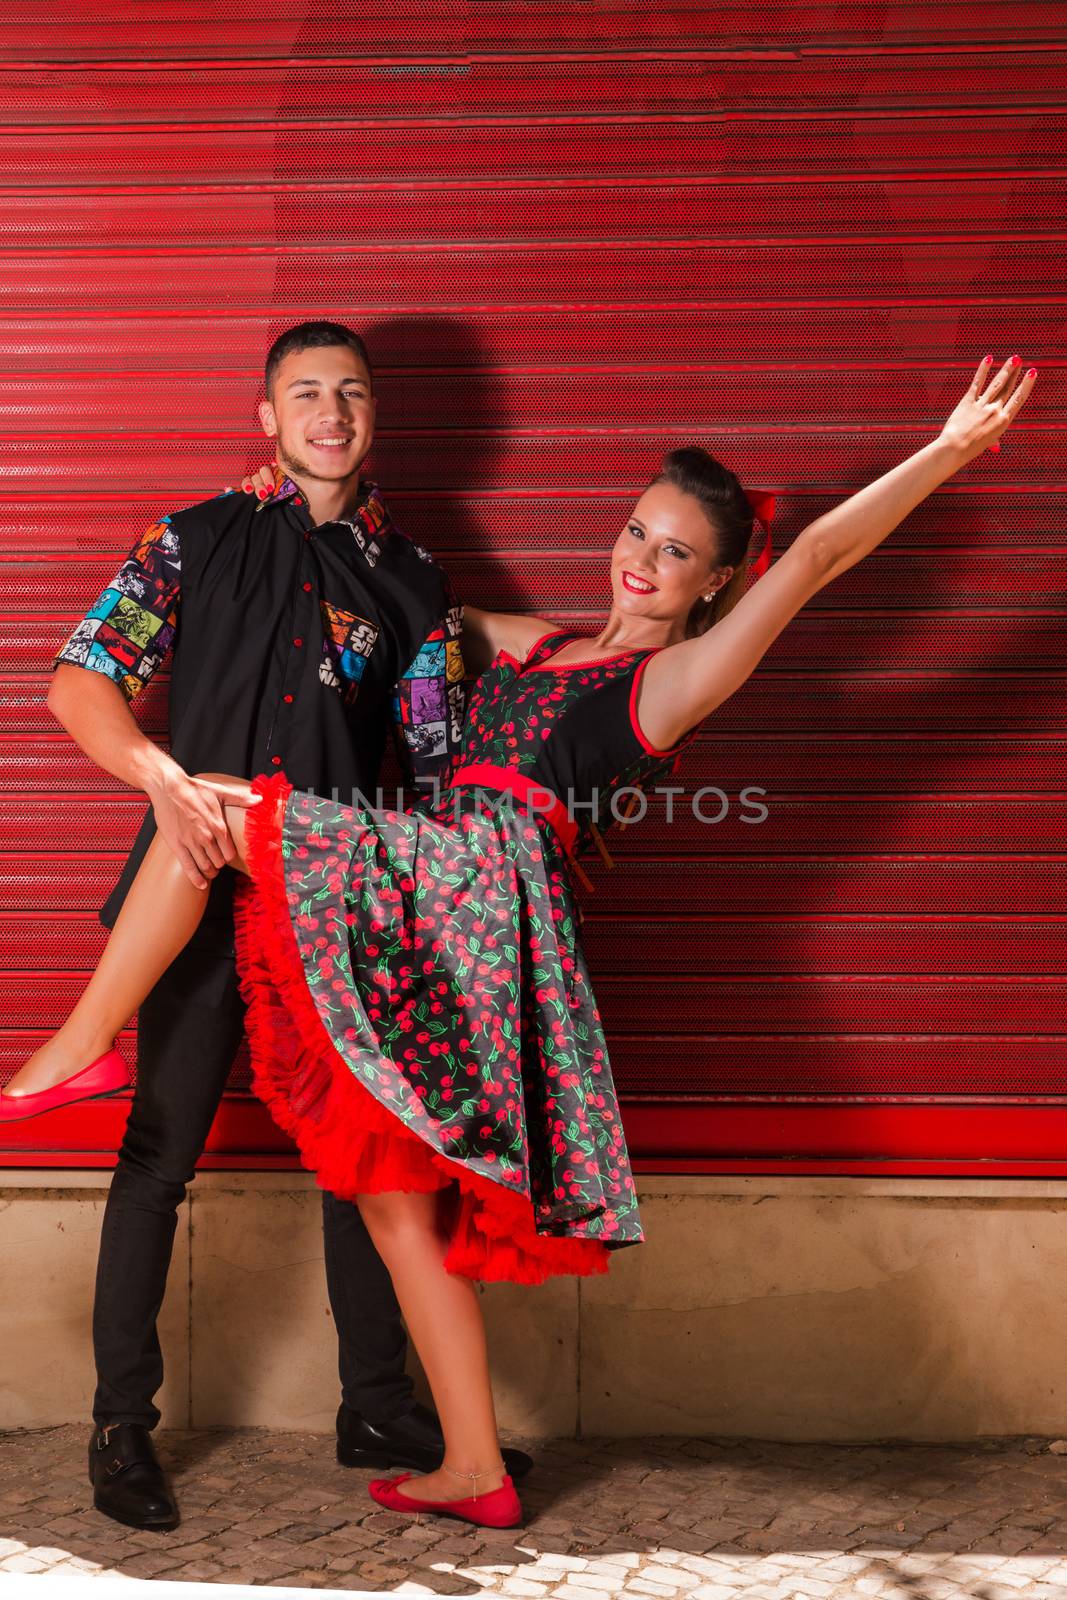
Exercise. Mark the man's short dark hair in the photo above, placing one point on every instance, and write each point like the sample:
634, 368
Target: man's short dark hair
312, 336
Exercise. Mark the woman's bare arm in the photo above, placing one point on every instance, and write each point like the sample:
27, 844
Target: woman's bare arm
685, 682
486, 633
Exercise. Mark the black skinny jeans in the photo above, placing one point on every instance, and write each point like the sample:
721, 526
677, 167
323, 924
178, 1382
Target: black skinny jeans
190, 1027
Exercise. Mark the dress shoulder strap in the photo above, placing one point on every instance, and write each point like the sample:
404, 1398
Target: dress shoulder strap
547, 645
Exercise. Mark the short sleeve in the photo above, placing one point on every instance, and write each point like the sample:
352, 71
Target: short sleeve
127, 634
429, 699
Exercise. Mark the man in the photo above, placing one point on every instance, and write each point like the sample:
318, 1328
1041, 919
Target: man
301, 625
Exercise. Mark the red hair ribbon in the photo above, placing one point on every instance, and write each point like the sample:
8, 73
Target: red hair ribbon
762, 503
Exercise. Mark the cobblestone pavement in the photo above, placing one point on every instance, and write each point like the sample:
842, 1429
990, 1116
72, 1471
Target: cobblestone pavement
704, 1519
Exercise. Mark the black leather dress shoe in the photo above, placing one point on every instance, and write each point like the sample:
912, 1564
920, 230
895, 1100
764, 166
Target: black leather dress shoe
128, 1482
413, 1440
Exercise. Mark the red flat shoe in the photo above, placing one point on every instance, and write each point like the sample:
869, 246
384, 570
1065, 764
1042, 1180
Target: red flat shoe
106, 1075
500, 1508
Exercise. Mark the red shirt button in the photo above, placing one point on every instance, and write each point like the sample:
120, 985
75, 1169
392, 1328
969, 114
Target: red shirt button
298, 641
297, 500
277, 760
307, 588
288, 699
307, 536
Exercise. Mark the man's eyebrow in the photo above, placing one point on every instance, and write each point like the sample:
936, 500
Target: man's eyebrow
298, 383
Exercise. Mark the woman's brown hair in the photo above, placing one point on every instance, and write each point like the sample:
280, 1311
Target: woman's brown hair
719, 491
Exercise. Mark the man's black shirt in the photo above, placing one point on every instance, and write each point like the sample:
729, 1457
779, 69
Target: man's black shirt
295, 646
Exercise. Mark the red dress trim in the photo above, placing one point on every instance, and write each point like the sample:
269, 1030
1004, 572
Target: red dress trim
353, 1143
538, 642
635, 688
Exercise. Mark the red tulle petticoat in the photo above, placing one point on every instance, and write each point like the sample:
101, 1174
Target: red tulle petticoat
353, 1143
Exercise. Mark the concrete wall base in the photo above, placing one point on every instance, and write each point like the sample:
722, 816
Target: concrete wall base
784, 1308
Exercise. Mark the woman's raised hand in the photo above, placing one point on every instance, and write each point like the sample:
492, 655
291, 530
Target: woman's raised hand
264, 480
988, 409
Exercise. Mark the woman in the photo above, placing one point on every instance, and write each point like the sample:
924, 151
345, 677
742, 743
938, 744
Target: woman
420, 1012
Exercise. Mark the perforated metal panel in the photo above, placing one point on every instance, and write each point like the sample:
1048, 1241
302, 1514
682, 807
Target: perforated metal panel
575, 235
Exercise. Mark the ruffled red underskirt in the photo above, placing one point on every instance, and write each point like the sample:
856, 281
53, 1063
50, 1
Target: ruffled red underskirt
353, 1143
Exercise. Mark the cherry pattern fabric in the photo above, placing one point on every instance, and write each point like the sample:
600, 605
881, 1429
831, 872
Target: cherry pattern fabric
572, 727
420, 1008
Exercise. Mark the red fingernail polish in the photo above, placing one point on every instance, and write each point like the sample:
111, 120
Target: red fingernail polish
1031, 372
988, 359
262, 493
995, 446
1015, 360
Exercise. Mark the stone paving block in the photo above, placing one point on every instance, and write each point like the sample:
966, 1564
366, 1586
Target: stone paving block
147, 1565
22, 1563
198, 1571
706, 1566
600, 1582
677, 1578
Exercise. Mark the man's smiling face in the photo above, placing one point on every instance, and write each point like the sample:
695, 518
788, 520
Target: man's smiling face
321, 413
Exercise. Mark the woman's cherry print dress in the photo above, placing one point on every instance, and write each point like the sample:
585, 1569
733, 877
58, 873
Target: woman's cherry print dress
419, 1004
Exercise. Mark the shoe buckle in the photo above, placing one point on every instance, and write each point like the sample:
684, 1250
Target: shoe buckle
104, 1442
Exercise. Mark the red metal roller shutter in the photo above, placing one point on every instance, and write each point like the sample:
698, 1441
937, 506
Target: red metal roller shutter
575, 236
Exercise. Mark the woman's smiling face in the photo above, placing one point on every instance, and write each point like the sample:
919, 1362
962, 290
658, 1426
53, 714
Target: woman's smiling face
663, 561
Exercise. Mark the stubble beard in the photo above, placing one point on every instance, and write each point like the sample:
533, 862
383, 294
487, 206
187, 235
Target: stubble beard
297, 467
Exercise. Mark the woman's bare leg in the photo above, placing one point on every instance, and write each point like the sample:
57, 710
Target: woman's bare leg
444, 1318
159, 915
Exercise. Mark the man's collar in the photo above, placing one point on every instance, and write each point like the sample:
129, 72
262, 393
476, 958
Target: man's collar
369, 521
370, 507
285, 491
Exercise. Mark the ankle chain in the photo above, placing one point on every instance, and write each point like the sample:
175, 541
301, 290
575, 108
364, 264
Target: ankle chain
485, 1473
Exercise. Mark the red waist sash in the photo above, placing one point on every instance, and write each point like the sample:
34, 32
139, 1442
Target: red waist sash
487, 775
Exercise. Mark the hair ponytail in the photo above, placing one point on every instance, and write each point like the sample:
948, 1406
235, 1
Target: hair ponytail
695, 472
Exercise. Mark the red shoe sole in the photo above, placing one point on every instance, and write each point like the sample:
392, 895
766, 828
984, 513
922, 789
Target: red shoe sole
384, 1492
103, 1077
79, 1100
